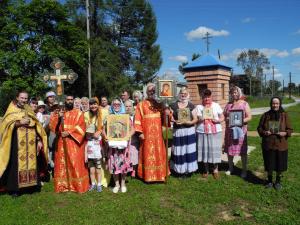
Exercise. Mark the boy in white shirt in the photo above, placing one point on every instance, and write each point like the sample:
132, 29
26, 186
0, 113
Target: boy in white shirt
93, 158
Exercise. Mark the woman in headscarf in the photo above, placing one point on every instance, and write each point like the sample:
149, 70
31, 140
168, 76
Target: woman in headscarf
275, 128
209, 133
236, 136
184, 154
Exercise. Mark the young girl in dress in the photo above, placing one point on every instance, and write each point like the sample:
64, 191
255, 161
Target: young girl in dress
118, 154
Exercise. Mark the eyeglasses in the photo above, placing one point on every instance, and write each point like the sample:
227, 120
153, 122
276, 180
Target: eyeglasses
117, 104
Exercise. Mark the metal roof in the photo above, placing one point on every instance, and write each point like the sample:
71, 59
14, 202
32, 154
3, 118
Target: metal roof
206, 61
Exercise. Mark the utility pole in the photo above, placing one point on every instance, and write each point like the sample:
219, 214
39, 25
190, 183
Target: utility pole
283, 88
273, 84
88, 36
290, 86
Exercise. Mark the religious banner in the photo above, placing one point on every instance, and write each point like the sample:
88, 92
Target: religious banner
208, 114
184, 115
166, 88
236, 118
274, 127
118, 127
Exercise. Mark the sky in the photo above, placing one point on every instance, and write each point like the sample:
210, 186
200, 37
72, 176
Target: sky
271, 26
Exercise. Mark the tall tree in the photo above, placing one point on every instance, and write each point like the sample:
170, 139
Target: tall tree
253, 63
133, 28
34, 34
123, 35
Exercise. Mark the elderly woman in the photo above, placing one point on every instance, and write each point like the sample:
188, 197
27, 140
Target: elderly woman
77, 103
275, 128
134, 141
209, 133
85, 104
137, 97
184, 154
236, 136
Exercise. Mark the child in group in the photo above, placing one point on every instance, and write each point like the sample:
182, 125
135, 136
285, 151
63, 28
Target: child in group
93, 157
118, 154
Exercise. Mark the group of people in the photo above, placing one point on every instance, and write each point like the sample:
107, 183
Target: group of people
71, 140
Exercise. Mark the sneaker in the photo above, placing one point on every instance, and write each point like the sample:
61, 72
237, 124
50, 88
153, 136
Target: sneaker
123, 189
277, 186
244, 174
228, 172
99, 188
269, 185
115, 189
92, 187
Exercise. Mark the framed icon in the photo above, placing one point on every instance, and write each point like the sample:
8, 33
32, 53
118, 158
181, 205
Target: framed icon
274, 126
208, 114
236, 118
166, 88
184, 115
118, 127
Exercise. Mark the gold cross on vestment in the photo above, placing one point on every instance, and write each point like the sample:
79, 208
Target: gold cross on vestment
59, 77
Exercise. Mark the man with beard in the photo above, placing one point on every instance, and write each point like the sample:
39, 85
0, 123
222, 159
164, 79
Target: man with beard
23, 147
70, 173
148, 123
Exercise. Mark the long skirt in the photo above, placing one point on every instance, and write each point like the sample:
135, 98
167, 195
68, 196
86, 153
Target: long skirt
184, 153
209, 147
275, 160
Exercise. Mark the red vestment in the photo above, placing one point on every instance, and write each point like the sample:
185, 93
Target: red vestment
70, 172
152, 153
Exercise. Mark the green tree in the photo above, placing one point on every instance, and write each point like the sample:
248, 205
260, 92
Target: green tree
253, 63
32, 34
123, 49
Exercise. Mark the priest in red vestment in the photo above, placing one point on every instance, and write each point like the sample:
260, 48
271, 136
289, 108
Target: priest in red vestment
70, 172
152, 153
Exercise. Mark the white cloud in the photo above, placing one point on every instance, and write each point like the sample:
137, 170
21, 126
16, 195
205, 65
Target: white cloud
179, 58
232, 55
173, 73
201, 31
248, 20
296, 51
267, 51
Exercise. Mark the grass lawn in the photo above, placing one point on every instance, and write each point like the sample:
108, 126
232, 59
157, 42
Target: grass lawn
229, 200
257, 102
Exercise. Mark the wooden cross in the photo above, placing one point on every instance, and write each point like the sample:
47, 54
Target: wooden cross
59, 77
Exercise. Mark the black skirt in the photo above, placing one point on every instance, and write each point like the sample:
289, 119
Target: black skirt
275, 160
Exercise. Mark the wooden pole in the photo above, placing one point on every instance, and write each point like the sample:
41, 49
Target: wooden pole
167, 141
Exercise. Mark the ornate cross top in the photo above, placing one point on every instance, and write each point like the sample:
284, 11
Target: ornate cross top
206, 38
59, 77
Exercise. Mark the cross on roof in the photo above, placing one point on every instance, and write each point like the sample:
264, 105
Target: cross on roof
206, 38
59, 77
